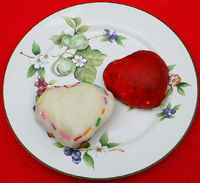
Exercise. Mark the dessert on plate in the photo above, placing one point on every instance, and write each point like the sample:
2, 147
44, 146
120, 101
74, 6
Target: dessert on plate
74, 113
138, 80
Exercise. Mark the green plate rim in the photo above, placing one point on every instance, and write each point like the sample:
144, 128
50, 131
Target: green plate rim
117, 177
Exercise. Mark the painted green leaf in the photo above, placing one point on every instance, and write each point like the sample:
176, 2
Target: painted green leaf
94, 57
121, 37
130, 109
169, 106
170, 116
183, 84
78, 21
104, 38
104, 139
169, 91
83, 28
162, 104
159, 114
83, 52
177, 107
57, 39
41, 72
36, 98
171, 67
52, 82
86, 145
60, 46
112, 144
88, 160
180, 91
86, 73
71, 22
35, 48
161, 119
58, 144
118, 41
31, 71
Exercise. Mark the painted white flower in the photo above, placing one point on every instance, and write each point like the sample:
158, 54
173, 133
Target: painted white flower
98, 151
79, 61
41, 59
37, 62
46, 57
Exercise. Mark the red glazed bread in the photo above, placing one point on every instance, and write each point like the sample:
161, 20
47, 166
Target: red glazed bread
138, 80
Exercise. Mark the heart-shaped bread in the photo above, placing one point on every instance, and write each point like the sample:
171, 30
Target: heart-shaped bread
138, 80
74, 113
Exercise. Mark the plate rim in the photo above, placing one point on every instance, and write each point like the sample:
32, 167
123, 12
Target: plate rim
99, 178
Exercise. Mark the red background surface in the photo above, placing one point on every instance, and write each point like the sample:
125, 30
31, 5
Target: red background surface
18, 17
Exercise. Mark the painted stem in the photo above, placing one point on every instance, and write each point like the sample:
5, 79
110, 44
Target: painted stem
110, 150
63, 53
69, 53
121, 150
26, 55
65, 50
95, 37
161, 106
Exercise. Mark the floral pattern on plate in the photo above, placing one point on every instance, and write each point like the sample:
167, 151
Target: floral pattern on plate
175, 82
78, 58
97, 150
168, 112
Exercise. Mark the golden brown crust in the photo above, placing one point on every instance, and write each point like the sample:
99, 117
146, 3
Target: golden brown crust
50, 135
83, 143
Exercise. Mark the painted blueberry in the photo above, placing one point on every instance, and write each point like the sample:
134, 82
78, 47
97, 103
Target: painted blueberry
166, 115
76, 161
114, 34
106, 32
68, 151
112, 37
76, 154
172, 111
166, 111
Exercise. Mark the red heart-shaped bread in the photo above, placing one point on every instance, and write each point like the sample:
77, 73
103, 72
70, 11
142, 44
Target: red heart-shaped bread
138, 80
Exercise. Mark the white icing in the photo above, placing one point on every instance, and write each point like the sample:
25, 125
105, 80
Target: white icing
73, 110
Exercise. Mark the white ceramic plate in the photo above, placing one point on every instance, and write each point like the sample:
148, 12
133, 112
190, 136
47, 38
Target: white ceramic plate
144, 139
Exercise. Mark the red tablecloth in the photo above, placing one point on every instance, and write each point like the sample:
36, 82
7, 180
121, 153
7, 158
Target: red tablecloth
19, 16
